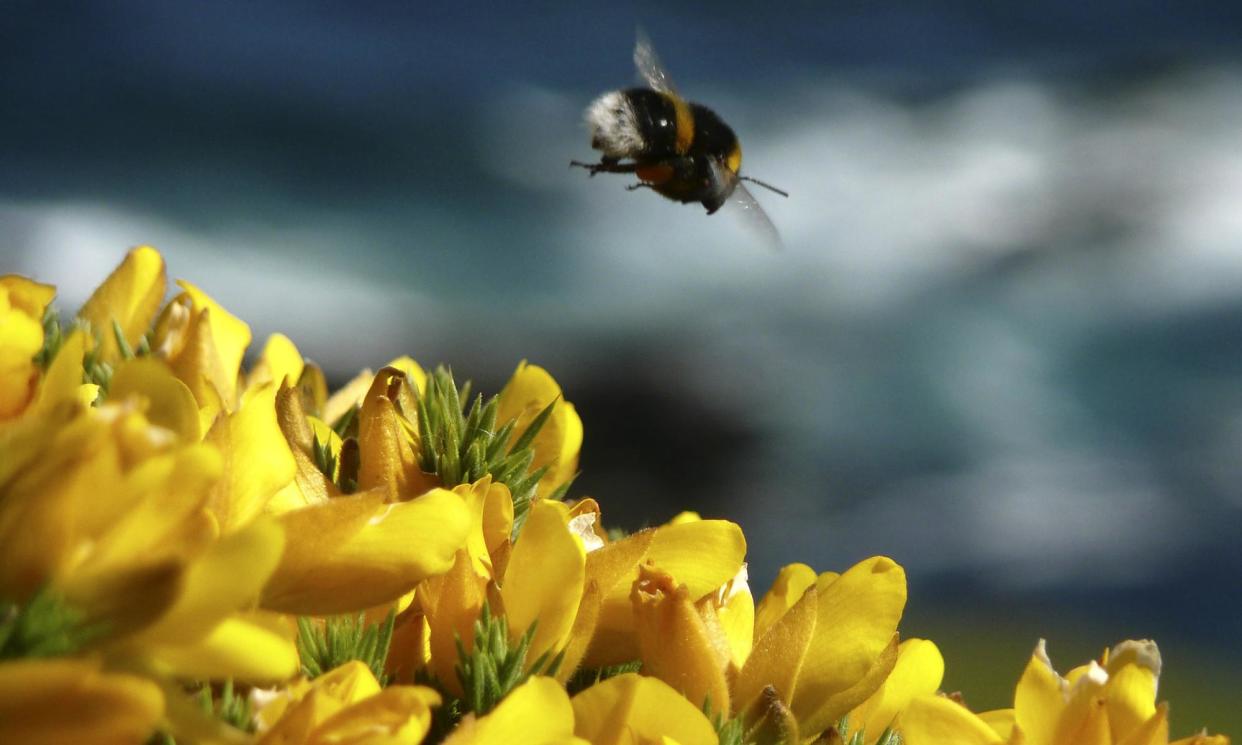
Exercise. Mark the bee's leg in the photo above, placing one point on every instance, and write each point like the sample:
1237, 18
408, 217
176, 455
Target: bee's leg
639, 185
606, 165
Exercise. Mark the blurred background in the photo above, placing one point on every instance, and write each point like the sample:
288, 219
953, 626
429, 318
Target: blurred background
1002, 343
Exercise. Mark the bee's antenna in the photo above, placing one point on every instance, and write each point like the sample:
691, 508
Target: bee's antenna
782, 192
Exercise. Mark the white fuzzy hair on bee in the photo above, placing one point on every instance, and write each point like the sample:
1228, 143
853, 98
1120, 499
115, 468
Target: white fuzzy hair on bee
614, 126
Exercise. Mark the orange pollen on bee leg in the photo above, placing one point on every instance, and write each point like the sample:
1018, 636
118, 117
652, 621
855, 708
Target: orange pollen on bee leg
657, 174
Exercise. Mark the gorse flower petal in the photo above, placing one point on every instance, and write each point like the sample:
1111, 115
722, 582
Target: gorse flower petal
167, 401
258, 462
359, 551
165, 513
680, 643
544, 578
632, 708
538, 712
126, 301
703, 555
932, 720
528, 392
1108, 703
50, 702
229, 335
22, 305
918, 672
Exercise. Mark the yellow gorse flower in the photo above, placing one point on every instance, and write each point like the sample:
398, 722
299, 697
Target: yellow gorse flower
346, 705
22, 305
168, 511
1110, 702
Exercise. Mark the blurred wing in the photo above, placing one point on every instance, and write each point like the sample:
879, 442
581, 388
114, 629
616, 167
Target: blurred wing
649, 66
741, 202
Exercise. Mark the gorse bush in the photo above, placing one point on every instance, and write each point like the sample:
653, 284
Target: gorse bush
195, 552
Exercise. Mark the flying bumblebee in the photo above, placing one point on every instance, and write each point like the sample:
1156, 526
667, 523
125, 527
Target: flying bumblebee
681, 150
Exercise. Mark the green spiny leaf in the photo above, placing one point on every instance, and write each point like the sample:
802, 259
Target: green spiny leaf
45, 626
53, 337
127, 352
728, 731
323, 647
586, 677
494, 666
889, 737
461, 446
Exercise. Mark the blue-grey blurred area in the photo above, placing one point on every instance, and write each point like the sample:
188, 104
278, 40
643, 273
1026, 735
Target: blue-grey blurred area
1002, 342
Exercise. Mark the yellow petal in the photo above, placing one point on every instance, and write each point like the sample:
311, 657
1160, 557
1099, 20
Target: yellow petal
702, 555
1154, 731
50, 702
397, 715
529, 392
543, 581
1039, 699
857, 616
538, 712
1202, 738
1084, 720
230, 334
130, 298
296, 712
410, 650
348, 683
63, 378
254, 649
1133, 671
918, 672
302, 433
791, 581
736, 611
22, 304
413, 372
613, 569
185, 340
934, 720
632, 708
458, 601
581, 634
351, 553
348, 396
778, 656
827, 712
170, 404
387, 449
124, 600
228, 577
25, 296
280, 363
678, 645
1002, 723
258, 462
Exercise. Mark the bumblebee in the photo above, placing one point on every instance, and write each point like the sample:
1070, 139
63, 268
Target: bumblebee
678, 149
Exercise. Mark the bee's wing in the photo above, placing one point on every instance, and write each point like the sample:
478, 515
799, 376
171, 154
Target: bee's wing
741, 202
649, 66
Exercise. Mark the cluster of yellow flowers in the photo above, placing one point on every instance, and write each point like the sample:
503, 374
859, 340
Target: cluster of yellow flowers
192, 552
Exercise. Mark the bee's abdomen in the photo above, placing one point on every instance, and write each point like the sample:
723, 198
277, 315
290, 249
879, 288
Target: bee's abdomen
712, 136
633, 123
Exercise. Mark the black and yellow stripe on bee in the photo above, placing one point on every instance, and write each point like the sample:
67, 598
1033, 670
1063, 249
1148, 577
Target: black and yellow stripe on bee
674, 128
665, 121
715, 138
